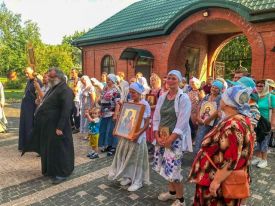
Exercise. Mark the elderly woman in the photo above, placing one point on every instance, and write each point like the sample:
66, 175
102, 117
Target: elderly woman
87, 100
109, 100
266, 103
172, 115
206, 124
229, 146
130, 163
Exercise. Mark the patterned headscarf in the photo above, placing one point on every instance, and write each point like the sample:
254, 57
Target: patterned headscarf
112, 77
238, 97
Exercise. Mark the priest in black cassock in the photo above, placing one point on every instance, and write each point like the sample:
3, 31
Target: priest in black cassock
52, 135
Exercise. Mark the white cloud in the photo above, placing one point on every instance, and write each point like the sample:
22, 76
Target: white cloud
57, 18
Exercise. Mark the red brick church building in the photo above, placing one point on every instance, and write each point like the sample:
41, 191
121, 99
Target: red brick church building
160, 35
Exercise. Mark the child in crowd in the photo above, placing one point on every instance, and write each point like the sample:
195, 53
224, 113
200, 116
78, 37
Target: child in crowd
94, 122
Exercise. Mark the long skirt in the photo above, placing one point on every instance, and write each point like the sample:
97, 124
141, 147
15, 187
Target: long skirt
131, 161
203, 198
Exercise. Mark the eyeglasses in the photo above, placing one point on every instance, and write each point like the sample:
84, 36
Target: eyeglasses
260, 86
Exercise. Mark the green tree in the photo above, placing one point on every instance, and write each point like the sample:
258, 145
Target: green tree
75, 52
235, 54
14, 36
48, 56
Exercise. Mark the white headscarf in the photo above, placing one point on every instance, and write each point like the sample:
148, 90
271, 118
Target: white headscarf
143, 82
97, 83
196, 81
87, 80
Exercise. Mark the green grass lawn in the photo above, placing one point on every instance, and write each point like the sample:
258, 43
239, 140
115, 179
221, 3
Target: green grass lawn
13, 95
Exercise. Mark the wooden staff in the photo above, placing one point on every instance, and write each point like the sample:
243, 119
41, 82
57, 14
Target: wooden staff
31, 57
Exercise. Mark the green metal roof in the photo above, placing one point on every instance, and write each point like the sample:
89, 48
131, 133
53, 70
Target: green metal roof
150, 18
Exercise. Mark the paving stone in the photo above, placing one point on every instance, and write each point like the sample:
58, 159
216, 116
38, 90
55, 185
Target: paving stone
81, 189
103, 187
101, 198
134, 196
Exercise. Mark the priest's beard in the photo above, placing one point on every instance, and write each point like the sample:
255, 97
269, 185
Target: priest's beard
54, 81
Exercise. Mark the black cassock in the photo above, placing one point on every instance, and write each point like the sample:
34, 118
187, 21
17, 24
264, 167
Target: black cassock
28, 107
57, 152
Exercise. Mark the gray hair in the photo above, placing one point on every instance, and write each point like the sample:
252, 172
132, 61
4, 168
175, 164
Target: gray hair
59, 74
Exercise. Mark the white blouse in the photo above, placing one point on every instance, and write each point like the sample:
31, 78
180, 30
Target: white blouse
183, 112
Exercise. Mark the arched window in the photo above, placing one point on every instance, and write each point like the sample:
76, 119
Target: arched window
108, 64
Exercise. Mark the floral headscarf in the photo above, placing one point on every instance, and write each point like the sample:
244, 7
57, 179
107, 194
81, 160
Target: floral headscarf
238, 97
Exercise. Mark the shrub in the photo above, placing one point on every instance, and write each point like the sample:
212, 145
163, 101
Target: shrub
13, 84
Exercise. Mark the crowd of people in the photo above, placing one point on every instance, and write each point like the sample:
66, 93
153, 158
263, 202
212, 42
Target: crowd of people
223, 122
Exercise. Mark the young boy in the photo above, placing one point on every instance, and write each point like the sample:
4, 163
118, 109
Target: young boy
94, 122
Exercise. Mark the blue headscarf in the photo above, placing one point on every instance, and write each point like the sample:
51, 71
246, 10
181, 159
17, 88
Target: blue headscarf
137, 87
218, 84
177, 73
238, 97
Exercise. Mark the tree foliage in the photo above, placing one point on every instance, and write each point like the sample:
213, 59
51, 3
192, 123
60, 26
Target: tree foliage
236, 54
76, 52
14, 38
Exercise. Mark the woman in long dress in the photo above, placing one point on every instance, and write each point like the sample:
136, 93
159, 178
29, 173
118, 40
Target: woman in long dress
130, 164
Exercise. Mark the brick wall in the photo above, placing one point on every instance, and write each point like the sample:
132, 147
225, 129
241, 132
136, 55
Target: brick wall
169, 51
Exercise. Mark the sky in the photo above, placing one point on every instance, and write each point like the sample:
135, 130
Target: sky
57, 18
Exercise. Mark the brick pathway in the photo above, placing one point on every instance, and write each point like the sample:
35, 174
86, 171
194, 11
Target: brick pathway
21, 182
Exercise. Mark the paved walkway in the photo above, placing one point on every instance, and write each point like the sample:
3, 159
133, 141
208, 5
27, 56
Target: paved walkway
21, 182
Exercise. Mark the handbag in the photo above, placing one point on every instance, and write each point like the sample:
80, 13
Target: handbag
236, 185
